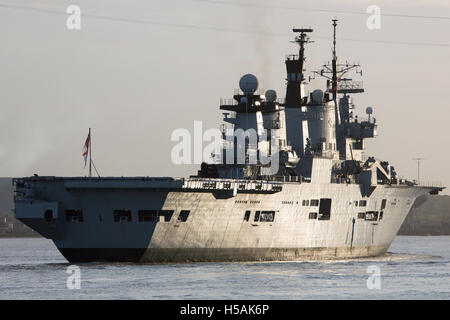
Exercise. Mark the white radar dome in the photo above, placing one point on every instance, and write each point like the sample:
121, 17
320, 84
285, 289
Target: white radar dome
248, 84
317, 96
369, 110
271, 95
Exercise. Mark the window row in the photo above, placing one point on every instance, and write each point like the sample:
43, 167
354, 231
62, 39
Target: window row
362, 203
125, 215
312, 203
260, 216
370, 215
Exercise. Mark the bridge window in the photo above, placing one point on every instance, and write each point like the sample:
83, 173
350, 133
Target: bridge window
362, 203
383, 204
122, 215
184, 214
74, 215
361, 215
257, 213
314, 203
325, 209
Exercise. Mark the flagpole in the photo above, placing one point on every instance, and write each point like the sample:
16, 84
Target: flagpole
90, 153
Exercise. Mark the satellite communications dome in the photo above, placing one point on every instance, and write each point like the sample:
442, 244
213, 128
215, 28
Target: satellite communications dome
248, 83
369, 110
271, 95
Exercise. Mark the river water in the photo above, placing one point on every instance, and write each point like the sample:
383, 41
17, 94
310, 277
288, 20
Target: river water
413, 268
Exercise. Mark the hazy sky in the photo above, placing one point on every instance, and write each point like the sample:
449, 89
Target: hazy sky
137, 70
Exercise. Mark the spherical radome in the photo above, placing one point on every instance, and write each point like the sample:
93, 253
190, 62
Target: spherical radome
248, 83
369, 110
271, 95
317, 96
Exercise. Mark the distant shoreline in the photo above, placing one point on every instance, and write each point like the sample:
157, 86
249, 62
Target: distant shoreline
19, 235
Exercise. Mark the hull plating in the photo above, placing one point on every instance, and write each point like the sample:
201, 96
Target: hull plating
216, 228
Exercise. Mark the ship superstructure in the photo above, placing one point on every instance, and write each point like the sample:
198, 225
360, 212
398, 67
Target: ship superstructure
290, 183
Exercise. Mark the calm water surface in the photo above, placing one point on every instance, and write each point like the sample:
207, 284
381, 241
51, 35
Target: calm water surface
414, 268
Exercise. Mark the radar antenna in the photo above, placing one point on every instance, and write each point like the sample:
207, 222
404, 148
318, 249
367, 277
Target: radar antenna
335, 73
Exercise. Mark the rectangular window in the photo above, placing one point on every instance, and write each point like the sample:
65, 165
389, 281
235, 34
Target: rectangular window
74, 215
313, 215
247, 215
383, 204
325, 209
314, 203
304, 203
122, 215
257, 213
361, 215
183, 216
148, 215
362, 203
371, 215
48, 215
267, 216
381, 215
167, 214
154, 215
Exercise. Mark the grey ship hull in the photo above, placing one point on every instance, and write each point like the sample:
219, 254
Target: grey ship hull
215, 229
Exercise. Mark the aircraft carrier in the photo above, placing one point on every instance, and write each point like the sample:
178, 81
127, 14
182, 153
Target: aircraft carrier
291, 182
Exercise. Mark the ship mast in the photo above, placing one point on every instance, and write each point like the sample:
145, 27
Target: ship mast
335, 80
334, 64
90, 153
295, 67
335, 73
